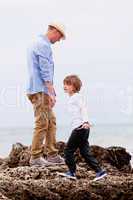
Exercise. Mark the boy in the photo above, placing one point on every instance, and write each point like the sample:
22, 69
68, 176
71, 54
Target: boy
80, 128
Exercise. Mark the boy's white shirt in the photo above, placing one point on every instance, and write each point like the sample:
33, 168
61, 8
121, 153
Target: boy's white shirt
78, 111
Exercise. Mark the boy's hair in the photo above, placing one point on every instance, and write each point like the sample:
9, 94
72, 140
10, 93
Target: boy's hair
73, 80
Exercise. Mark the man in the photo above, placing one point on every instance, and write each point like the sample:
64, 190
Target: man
42, 95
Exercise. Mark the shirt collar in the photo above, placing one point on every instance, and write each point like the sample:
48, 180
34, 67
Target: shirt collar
44, 37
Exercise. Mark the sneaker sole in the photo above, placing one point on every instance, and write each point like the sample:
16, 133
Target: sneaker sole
56, 163
44, 165
67, 176
97, 179
59, 163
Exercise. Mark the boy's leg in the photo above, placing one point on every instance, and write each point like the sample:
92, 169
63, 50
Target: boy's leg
85, 151
71, 147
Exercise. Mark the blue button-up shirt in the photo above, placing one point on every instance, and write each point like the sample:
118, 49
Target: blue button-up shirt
40, 65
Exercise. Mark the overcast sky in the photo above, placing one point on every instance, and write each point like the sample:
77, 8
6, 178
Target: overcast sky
99, 48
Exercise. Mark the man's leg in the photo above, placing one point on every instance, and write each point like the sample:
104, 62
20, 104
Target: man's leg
50, 142
50, 137
40, 105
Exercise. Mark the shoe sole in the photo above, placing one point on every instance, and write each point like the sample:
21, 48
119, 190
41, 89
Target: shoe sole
57, 163
97, 179
44, 165
67, 176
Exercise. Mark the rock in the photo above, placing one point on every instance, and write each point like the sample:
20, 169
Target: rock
1, 161
19, 155
119, 157
19, 181
2, 197
25, 183
116, 156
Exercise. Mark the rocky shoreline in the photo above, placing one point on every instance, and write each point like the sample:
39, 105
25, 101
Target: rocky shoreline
19, 181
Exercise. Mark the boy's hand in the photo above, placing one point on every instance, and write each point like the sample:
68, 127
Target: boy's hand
86, 125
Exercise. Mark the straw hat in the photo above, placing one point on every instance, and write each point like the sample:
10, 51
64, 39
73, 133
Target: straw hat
60, 28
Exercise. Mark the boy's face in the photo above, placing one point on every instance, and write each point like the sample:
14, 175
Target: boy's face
68, 89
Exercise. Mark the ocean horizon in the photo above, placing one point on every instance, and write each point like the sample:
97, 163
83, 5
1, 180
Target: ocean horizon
101, 135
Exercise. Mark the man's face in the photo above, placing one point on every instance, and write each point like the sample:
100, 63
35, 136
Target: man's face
57, 36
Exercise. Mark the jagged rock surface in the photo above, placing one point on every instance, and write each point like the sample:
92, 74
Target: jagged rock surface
19, 181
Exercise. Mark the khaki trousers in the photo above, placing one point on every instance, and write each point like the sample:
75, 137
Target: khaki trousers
45, 126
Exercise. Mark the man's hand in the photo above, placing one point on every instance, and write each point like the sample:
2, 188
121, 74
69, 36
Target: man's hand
52, 101
51, 93
50, 87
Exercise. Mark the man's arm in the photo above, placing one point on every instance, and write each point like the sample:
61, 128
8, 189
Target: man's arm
46, 70
45, 65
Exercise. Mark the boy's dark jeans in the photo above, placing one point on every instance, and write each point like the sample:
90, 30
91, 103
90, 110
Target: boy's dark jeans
79, 139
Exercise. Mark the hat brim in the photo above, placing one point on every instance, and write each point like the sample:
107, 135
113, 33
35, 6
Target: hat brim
60, 30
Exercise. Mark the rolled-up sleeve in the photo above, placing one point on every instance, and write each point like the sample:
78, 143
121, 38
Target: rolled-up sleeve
45, 66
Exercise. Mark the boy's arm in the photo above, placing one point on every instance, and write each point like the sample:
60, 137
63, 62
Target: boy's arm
84, 113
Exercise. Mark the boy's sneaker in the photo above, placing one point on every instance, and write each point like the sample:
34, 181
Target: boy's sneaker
56, 159
39, 162
100, 175
68, 175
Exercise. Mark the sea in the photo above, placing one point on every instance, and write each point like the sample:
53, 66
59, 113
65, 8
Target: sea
102, 135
